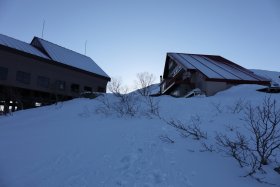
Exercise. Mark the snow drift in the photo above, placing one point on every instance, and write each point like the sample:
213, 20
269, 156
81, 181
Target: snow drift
70, 144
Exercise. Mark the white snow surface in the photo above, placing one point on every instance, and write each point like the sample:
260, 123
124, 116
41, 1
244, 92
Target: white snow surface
69, 144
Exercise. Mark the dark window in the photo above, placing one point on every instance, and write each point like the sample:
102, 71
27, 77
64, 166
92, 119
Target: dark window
101, 89
23, 77
60, 85
43, 82
75, 88
87, 89
3, 73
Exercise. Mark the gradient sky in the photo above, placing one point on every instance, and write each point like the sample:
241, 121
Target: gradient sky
126, 37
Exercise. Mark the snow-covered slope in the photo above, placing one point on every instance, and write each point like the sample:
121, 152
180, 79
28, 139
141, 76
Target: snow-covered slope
69, 144
273, 75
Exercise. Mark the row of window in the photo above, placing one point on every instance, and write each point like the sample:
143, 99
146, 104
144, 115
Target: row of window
44, 82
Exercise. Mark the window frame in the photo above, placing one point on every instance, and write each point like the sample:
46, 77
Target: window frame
23, 77
75, 88
43, 82
60, 85
3, 73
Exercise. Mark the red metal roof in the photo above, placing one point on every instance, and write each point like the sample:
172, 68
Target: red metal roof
217, 68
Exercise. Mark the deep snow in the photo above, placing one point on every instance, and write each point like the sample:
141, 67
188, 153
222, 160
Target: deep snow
69, 144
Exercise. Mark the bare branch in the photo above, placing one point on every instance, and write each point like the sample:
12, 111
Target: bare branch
143, 83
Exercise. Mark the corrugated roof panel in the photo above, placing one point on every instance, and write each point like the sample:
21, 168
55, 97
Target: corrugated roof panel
217, 68
182, 60
201, 67
71, 58
223, 71
21, 46
234, 70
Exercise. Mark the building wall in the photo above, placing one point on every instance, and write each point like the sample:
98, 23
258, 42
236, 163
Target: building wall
213, 87
187, 84
182, 89
199, 81
36, 67
209, 87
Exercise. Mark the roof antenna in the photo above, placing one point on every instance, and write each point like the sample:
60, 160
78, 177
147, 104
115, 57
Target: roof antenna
86, 47
42, 36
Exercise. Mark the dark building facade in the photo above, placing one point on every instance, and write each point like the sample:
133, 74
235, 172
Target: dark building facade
43, 72
184, 73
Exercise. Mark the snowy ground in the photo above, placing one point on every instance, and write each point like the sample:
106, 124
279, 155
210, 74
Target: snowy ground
69, 144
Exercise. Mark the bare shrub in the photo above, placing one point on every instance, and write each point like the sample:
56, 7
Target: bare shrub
264, 124
238, 106
126, 104
260, 148
152, 106
143, 85
192, 130
115, 86
207, 147
105, 107
218, 107
143, 82
236, 148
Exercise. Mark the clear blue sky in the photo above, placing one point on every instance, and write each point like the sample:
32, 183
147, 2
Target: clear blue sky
125, 37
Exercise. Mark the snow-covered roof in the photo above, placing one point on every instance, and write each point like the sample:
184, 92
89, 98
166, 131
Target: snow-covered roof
21, 46
54, 52
215, 67
68, 57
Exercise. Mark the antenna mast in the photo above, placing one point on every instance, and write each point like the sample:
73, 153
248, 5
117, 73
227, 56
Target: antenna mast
43, 29
86, 47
